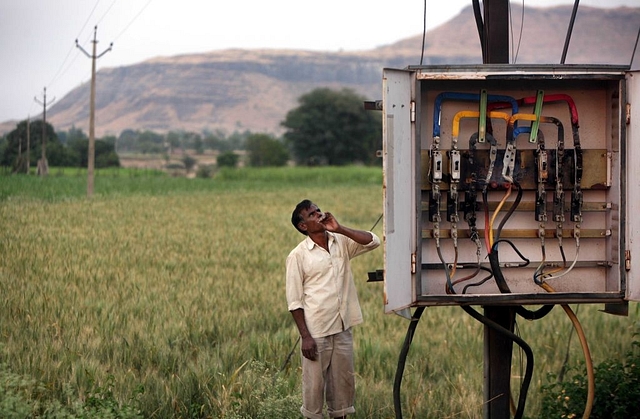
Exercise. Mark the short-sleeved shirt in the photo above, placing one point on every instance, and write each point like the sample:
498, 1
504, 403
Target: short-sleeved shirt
321, 283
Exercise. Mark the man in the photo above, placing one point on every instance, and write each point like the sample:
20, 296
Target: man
323, 300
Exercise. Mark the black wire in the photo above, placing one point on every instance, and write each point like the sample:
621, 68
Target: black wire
515, 249
376, 223
569, 31
397, 382
480, 25
511, 210
286, 361
515, 54
424, 30
445, 267
482, 281
634, 49
524, 387
495, 265
534, 314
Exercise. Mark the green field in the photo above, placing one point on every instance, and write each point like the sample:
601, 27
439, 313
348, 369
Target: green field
163, 297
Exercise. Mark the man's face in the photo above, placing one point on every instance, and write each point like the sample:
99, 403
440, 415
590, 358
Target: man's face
311, 219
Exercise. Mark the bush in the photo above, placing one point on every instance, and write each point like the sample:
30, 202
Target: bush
228, 159
204, 171
24, 397
264, 394
189, 163
264, 150
617, 391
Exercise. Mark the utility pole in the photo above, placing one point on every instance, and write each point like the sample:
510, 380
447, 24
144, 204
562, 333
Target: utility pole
43, 165
92, 109
498, 348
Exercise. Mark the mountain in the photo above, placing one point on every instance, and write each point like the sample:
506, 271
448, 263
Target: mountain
254, 89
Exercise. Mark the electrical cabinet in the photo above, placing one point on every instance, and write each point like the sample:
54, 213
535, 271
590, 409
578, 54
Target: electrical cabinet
510, 185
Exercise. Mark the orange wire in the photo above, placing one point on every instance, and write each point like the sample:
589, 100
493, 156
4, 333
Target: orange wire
495, 213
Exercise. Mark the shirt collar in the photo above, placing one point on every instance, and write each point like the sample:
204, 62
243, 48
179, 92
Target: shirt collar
310, 243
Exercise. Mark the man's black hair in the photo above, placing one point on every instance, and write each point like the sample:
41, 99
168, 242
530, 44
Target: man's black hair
296, 216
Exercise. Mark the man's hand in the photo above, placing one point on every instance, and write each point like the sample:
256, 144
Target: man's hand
330, 222
308, 344
309, 348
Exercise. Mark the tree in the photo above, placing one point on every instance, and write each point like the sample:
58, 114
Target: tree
127, 140
77, 153
73, 134
332, 127
264, 150
217, 141
150, 142
228, 159
16, 148
189, 162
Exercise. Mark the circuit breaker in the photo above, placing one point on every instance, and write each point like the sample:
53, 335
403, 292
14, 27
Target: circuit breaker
510, 185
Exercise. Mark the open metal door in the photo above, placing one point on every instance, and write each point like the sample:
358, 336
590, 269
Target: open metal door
633, 186
399, 168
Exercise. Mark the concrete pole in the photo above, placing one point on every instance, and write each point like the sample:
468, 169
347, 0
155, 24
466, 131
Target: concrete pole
92, 110
43, 165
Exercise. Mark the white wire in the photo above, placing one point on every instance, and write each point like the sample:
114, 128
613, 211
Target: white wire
568, 269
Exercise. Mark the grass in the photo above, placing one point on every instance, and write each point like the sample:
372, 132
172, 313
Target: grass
166, 296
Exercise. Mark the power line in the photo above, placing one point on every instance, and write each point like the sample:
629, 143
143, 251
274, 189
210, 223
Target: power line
133, 20
88, 17
62, 69
58, 73
106, 12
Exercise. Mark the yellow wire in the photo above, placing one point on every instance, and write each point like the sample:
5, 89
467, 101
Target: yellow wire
495, 214
591, 388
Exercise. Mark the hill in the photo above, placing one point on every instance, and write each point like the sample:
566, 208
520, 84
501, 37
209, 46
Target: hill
253, 89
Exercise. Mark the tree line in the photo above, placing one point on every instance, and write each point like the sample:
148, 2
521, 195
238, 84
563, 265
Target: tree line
328, 127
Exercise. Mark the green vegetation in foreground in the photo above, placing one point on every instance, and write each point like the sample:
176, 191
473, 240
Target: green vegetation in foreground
163, 297
71, 183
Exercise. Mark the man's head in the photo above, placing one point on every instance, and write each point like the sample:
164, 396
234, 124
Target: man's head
306, 215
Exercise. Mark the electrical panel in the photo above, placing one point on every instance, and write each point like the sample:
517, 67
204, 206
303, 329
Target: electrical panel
510, 185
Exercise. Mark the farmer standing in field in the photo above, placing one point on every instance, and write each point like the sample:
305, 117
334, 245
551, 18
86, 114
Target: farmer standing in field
323, 300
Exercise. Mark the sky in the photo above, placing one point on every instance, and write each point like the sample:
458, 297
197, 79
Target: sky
38, 37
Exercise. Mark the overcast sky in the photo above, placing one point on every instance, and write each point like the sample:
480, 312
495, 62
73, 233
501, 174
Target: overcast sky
37, 37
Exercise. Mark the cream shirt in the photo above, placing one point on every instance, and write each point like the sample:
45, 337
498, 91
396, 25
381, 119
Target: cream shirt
321, 283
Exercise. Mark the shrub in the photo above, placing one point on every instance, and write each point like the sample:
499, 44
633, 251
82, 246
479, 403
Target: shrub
228, 159
264, 394
617, 391
204, 171
24, 397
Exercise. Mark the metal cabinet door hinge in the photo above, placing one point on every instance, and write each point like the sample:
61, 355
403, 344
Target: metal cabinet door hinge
413, 263
413, 111
627, 260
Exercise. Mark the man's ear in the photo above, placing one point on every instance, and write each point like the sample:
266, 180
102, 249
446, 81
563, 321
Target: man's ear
302, 226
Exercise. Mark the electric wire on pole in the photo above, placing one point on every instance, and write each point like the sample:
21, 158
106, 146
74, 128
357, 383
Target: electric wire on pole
43, 165
92, 105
